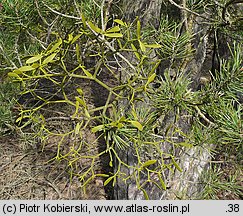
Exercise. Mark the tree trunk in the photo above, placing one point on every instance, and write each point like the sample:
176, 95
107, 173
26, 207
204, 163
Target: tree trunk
147, 11
193, 161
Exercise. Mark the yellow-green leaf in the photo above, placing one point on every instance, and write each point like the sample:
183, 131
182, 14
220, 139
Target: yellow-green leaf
119, 44
97, 128
149, 162
135, 51
42, 117
176, 165
155, 46
185, 144
77, 48
138, 30
113, 124
19, 119
77, 128
16, 71
151, 79
122, 119
80, 101
83, 20
114, 35
137, 125
80, 91
70, 37
12, 74
101, 175
120, 22
76, 38
113, 29
108, 180
95, 28
26, 68
162, 182
110, 163
142, 46
120, 125
35, 65
87, 73
49, 58
86, 113
34, 59
155, 67
55, 46
114, 182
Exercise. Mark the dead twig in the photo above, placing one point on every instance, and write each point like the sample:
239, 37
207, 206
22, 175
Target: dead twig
182, 7
203, 116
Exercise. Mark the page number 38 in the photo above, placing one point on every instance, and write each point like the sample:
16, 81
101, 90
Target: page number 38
233, 208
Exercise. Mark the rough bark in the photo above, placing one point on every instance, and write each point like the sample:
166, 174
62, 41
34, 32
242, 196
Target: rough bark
193, 161
147, 11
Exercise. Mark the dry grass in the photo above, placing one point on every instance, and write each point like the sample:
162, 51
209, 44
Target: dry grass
24, 174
